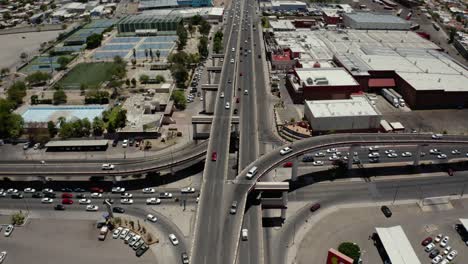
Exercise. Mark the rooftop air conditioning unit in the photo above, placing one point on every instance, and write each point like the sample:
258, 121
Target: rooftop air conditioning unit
310, 81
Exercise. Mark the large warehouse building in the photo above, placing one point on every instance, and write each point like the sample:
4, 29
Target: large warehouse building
162, 25
367, 20
426, 77
349, 115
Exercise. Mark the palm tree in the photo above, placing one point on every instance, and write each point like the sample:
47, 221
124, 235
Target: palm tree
158, 54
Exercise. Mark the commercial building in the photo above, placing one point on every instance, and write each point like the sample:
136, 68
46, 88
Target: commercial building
209, 13
367, 20
282, 25
159, 4
349, 115
413, 66
397, 246
320, 84
288, 6
162, 25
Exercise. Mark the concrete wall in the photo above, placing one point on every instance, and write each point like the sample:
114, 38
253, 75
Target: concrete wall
339, 123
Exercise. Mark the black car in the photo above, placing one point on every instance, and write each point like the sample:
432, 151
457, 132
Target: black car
141, 250
115, 142
17, 196
185, 258
81, 196
434, 253
119, 210
131, 142
59, 207
37, 195
111, 201
235, 111
50, 195
79, 190
386, 211
67, 190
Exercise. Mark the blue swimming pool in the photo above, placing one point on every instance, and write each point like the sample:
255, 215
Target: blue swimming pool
52, 113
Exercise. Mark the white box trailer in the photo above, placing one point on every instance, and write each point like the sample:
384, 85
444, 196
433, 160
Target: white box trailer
401, 101
390, 97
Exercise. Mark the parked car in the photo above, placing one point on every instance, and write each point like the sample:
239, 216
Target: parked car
67, 201
452, 255
444, 241
8, 230
315, 207
173, 239
426, 241
429, 247
152, 218
185, 258
438, 238
67, 195
140, 251
117, 232
386, 211
434, 253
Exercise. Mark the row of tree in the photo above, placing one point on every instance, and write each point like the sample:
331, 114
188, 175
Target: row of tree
180, 63
218, 42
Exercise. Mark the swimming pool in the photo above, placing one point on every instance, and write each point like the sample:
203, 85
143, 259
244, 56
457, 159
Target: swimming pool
69, 112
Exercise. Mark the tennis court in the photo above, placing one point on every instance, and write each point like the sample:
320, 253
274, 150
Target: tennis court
43, 63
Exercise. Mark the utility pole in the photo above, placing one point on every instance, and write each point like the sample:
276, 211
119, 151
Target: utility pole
396, 193
463, 190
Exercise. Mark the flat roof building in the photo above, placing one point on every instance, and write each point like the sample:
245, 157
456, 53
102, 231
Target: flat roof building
397, 245
130, 24
368, 20
347, 115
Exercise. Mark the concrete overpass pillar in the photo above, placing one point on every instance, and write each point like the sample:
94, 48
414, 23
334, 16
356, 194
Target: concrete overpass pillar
204, 100
213, 61
417, 155
351, 156
209, 77
285, 198
283, 214
295, 165
195, 132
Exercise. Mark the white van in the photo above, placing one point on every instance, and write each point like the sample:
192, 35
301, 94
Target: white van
245, 234
251, 173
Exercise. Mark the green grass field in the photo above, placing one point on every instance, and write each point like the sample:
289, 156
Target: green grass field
90, 74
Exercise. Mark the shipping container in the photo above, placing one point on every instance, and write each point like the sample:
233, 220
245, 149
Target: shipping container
390, 97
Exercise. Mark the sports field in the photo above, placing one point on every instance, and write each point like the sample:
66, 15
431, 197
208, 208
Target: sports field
90, 74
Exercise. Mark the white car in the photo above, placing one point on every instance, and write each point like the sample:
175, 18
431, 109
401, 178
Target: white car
84, 201
232, 60
126, 195
429, 247
334, 157
445, 261
452, 255
11, 191
317, 163
107, 166
92, 207
285, 151
374, 155
389, 151
332, 150
165, 195
456, 152
227, 105
392, 155
2, 256
96, 195
447, 250
406, 154
153, 200
149, 190
117, 232
9, 230
438, 238
151, 218
133, 240
124, 233
246, 92
173, 239
221, 95
437, 259
434, 151
187, 190
126, 201
374, 148
29, 190
118, 190
444, 241
437, 136
47, 200
441, 156
319, 154
47, 190
125, 143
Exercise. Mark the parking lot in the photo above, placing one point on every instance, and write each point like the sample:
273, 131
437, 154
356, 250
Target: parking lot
358, 224
51, 241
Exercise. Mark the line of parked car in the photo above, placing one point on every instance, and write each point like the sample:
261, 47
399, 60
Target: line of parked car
443, 256
133, 240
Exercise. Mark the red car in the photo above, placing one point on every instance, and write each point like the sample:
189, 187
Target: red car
214, 156
315, 207
426, 241
288, 164
96, 190
450, 171
67, 195
67, 201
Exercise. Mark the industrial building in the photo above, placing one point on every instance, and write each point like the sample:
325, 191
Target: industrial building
160, 25
284, 6
367, 20
159, 4
282, 25
348, 115
320, 84
208, 13
413, 66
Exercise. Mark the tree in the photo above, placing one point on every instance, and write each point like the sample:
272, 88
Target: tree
179, 58
118, 60
60, 97
134, 82
146, 54
98, 126
93, 41
17, 218
351, 250
182, 35
34, 99
85, 127
52, 129
203, 47
194, 59
158, 54
151, 54
144, 78
63, 61
4, 71
43, 7
127, 82
205, 27
134, 53
179, 99
265, 23
23, 55
195, 20
16, 92
38, 78
11, 124
180, 74
133, 62
160, 79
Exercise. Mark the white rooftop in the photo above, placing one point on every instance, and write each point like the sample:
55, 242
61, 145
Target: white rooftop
464, 222
289, 3
282, 25
333, 77
356, 106
397, 246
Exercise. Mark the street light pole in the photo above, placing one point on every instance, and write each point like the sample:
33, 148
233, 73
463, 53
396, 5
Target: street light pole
396, 193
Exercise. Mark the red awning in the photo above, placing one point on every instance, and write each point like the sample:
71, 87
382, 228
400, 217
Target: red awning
376, 83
